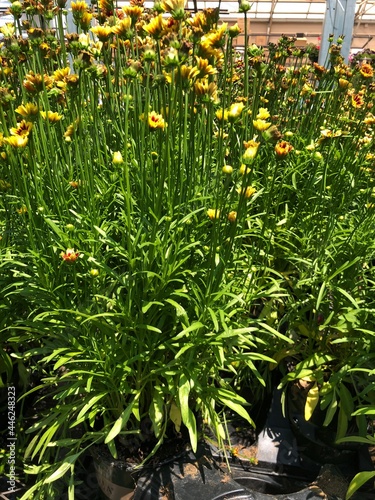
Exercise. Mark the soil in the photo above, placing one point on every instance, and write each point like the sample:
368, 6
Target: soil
332, 482
135, 451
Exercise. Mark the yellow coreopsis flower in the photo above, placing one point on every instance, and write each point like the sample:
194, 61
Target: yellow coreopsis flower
244, 169
60, 74
222, 115
232, 216
51, 116
35, 83
283, 148
28, 110
102, 32
17, 141
203, 88
366, 70
155, 121
204, 67
133, 11
263, 114
246, 192
155, 27
215, 38
261, 125
357, 100
84, 40
71, 129
369, 119
235, 110
23, 129
213, 213
175, 7
122, 28
80, 6
8, 30
70, 256
343, 83
250, 151
22, 210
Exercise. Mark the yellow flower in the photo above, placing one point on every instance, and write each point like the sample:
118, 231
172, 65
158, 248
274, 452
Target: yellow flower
122, 28
263, 114
22, 210
17, 141
85, 21
155, 27
28, 110
51, 116
261, 125
71, 129
70, 255
155, 121
369, 119
204, 67
343, 83
283, 148
8, 30
35, 83
84, 40
23, 129
175, 7
102, 32
60, 74
203, 88
213, 213
244, 169
366, 70
215, 38
186, 75
222, 115
246, 192
232, 216
133, 11
117, 158
79, 7
357, 101
235, 110
250, 151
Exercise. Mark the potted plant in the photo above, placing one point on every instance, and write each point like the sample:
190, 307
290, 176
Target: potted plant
130, 221
170, 231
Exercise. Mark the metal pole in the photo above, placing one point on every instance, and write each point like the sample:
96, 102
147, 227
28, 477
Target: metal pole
339, 22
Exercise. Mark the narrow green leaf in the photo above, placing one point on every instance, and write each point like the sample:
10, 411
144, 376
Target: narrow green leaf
195, 326
240, 410
320, 295
90, 403
64, 467
359, 480
331, 410
120, 423
345, 266
365, 410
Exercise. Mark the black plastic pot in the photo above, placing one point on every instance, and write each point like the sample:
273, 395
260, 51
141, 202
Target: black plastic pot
115, 478
281, 471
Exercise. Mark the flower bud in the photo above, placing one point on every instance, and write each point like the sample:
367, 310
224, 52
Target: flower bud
234, 31
227, 169
245, 6
117, 158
